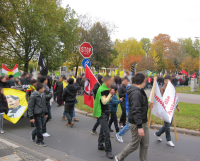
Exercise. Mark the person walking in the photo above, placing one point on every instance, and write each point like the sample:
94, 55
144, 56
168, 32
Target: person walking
122, 94
69, 96
137, 117
166, 127
59, 91
101, 110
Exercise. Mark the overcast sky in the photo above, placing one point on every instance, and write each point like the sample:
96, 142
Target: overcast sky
144, 18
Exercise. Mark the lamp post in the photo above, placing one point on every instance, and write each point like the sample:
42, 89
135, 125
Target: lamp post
199, 63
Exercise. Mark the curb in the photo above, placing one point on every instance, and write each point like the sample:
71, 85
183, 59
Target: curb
179, 130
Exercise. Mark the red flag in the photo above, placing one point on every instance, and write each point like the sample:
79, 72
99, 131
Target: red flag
90, 81
184, 72
194, 75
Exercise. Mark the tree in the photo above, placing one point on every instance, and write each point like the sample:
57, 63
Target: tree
191, 65
126, 48
146, 45
36, 25
147, 63
130, 60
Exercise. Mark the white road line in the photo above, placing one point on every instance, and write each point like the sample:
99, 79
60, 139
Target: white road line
48, 160
9, 143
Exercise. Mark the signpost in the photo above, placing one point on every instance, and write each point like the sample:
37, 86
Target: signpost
86, 50
86, 62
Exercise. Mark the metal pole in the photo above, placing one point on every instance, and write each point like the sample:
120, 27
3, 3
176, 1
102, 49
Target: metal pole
123, 61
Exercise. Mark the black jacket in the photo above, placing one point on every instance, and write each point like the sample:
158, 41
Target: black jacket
138, 106
122, 93
25, 82
4, 84
69, 93
59, 89
48, 95
37, 105
3, 104
97, 85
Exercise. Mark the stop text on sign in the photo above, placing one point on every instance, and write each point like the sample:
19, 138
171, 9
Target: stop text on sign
86, 49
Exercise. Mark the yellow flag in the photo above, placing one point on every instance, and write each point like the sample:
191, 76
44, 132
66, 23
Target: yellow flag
72, 77
17, 104
64, 84
121, 73
116, 72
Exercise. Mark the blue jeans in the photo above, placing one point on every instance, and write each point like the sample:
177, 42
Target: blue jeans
96, 125
166, 129
114, 119
73, 113
40, 121
126, 128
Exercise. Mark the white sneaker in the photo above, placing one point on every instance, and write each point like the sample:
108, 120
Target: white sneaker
158, 137
46, 135
119, 138
116, 159
170, 143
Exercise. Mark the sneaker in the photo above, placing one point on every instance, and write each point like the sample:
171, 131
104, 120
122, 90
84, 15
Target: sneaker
72, 124
42, 144
2, 132
94, 132
119, 138
110, 156
75, 119
64, 118
116, 159
158, 137
121, 125
170, 143
45, 135
32, 138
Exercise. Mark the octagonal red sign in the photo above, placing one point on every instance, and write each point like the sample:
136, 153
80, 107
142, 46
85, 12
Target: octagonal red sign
86, 50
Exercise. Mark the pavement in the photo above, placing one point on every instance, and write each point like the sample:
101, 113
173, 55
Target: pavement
78, 144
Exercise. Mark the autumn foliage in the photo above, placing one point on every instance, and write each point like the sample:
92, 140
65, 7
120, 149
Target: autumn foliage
129, 60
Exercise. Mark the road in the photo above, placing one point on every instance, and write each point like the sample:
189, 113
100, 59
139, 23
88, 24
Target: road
184, 97
77, 143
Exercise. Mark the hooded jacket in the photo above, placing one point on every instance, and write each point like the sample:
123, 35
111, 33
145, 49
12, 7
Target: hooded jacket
59, 88
69, 93
122, 93
97, 85
113, 104
138, 106
37, 105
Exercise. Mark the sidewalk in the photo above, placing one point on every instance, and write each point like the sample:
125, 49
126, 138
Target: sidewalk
13, 152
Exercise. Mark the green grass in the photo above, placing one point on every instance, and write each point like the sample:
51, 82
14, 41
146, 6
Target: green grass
188, 117
187, 89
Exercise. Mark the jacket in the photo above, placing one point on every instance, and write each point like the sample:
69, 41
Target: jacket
127, 105
82, 82
69, 93
3, 105
48, 95
138, 106
37, 105
113, 104
97, 85
25, 82
59, 88
122, 93
4, 84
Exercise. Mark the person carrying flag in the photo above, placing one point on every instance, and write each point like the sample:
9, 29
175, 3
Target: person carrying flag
102, 111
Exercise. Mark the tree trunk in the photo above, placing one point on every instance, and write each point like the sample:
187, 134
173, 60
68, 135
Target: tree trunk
76, 71
26, 67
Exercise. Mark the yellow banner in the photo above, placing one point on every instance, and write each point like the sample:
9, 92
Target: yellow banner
64, 85
17, 104
121, 73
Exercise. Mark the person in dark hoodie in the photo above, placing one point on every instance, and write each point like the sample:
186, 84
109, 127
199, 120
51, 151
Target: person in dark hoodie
69, 96
3, 83
95, 89
25, 81
137, 117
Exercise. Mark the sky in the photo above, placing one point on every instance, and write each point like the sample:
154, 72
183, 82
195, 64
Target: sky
144, 18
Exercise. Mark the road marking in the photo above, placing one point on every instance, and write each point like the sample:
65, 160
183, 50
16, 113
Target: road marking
9, 143
48, 160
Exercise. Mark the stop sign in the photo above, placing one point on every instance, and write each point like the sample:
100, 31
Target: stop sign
86, 50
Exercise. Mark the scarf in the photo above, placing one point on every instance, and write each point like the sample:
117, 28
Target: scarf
97, 103
30, 88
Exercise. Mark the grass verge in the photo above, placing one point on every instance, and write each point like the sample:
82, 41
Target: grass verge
187, 89
188, 117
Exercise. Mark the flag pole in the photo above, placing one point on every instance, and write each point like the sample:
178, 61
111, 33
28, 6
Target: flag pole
152, 99
175, 128
37, 65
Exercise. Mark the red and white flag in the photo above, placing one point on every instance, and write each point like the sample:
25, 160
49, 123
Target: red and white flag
194, 75
90, 81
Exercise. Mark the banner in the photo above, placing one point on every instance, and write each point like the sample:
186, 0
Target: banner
194, 75
14, 71
164, 106
149, 73
90, 81
17, 104
42, 65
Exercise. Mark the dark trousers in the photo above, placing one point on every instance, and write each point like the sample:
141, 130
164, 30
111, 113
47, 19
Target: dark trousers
123, 116
96, 125
39, 123
59, 100
114, 119
54, 97
104, 135
69, 108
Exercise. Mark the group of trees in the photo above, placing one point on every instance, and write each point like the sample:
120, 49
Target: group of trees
159, 54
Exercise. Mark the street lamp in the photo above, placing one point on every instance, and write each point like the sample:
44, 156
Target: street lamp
199, 63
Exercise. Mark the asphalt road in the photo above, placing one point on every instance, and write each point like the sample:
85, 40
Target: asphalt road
78, 144
184, 97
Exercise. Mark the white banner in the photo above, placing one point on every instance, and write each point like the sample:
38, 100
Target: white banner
164, 106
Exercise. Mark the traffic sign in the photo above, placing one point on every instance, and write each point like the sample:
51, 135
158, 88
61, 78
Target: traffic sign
86, 50
86, 62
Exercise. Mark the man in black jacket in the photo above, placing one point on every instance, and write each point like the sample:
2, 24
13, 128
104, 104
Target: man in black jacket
138, 107
122, 94
69, 96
